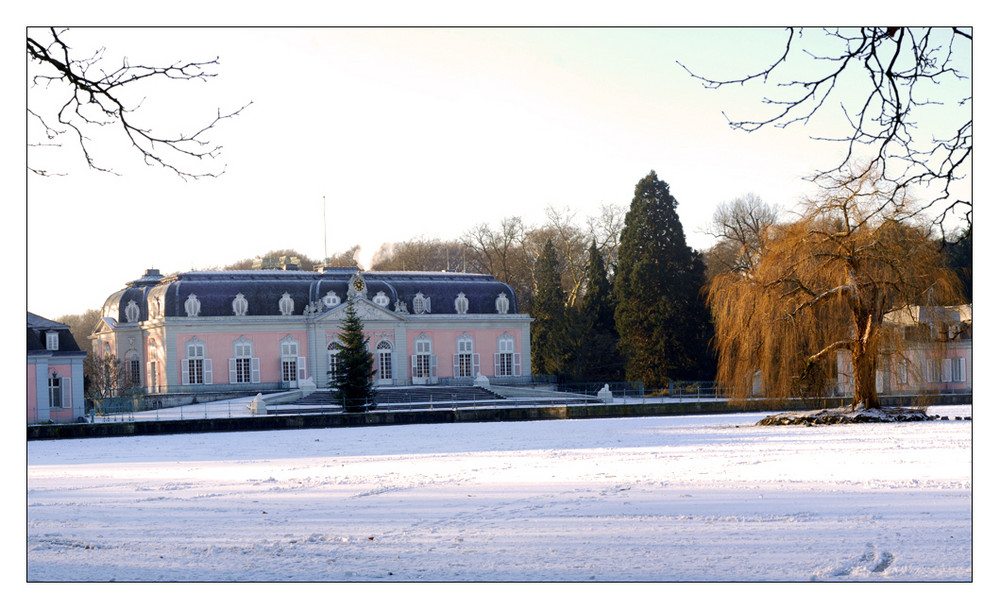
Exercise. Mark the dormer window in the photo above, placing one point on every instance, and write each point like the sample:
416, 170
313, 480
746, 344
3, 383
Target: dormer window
240, 305
331, 299
461, 303
421, 304
286, 305
52, 341
131, 312
381, 299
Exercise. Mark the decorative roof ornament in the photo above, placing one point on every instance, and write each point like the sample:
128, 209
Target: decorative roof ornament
502, 303
192, 306
401, 306
240, 305
461, 303
131, 312
381, 299
357, 288
421, 304
313, 308
286, 305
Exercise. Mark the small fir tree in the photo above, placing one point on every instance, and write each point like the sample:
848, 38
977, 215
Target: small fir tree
352, 380
660, 314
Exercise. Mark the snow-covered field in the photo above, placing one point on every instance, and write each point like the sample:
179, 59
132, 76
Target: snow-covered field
696, 498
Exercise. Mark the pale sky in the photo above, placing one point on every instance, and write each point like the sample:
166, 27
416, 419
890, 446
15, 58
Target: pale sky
406, 133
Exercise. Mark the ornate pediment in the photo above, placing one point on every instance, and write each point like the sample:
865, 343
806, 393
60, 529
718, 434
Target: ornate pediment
366, 310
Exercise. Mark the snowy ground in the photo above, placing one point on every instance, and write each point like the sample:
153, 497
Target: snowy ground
695, 498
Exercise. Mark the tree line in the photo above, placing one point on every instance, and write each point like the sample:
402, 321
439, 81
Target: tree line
622, 297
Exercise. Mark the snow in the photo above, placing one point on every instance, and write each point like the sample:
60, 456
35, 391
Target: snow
693, 498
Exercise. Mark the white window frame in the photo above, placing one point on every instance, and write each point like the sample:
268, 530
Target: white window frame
56, 393
506, 362
465, 363
52, 341
383, 360
292, 366
423, 362
196, 369
243, 367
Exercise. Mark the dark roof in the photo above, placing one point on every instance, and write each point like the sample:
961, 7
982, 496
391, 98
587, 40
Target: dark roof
39, 326
263, 289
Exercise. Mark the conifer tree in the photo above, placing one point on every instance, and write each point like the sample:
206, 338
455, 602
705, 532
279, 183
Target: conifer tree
596, 357
352, 380
659, 312
549, 330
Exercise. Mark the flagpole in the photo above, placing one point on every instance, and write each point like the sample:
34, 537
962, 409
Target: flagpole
326, 259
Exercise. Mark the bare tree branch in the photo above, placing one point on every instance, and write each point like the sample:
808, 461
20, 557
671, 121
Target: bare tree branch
908, 70
95, 99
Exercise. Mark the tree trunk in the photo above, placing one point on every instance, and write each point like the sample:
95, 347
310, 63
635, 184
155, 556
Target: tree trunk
865, 365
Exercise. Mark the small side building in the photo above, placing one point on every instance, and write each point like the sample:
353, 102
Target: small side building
936, 357
55, 373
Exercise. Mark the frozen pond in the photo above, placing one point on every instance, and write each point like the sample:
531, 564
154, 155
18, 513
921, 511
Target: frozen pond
694, 498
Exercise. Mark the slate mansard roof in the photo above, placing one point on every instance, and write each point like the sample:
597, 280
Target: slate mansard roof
37, 329
310, 292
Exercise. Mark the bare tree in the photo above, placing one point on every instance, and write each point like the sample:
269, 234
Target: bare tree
825, 284
885, 81
739, 226
96, 95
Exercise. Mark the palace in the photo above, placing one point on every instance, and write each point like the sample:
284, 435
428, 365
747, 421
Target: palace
210, 332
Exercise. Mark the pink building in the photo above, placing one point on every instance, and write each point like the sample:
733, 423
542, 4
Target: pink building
937, 357
258, 331
55, 373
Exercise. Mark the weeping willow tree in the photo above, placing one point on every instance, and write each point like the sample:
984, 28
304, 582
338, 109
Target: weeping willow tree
822, 285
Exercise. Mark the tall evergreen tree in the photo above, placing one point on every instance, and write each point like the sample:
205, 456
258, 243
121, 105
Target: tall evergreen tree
660, 314
549, 349
352, 379
596, 357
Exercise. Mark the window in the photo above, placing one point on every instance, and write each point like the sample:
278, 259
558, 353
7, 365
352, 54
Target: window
240, 305
466, 363
933, 371
384, 360
958, 369
243, 367
461, 303
381, 299
331, 299
423, 361
953, 370
196, 368
506, 361
293, 366
55, 392
133, 375
52, 341
421, 304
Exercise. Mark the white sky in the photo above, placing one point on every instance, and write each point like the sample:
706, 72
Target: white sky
408, 132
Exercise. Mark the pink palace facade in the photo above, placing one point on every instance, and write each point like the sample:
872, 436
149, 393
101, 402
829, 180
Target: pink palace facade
204, 332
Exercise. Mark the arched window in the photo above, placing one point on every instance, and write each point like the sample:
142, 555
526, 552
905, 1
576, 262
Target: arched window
466, 361
506, 361
383, 361
381, 299
293, 366
196, 368
423, 362
133, 369
243, 367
